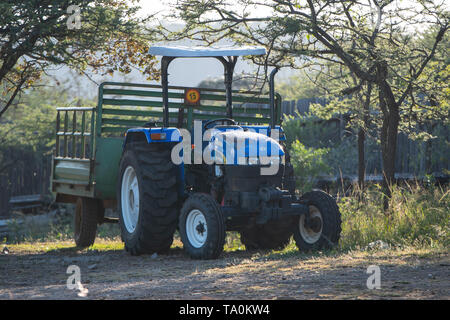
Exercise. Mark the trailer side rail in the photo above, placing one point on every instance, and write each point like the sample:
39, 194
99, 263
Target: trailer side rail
74, 151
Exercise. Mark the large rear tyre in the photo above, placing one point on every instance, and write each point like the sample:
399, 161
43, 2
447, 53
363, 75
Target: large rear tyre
202, 228
147, 198
321, 227
87, 213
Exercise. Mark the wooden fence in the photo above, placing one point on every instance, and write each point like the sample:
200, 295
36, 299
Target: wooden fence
28, 175
413, 158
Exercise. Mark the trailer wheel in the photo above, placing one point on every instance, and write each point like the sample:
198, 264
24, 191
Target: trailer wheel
87, 211
272, 235
147, 198
321, 229
202, 228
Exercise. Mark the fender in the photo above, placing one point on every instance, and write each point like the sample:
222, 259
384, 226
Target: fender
159, 135
164, 135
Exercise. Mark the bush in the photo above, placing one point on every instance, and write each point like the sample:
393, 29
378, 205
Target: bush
308, 165
418, 217
310, 131
342, 155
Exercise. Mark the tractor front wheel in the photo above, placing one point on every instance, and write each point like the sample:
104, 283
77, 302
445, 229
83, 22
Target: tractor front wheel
202, 228
320, 228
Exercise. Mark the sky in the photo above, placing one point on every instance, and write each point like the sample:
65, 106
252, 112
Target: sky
185, 72
153, 6
182, 72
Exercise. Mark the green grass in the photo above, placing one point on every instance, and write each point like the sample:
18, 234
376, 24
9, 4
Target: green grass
65, 246
418, 218
60, 229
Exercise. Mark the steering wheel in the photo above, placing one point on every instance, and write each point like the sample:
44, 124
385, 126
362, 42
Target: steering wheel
209, 123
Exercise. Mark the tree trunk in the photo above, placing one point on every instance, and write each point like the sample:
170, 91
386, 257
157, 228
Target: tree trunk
361, 158
389, 130
389, 133
362, 138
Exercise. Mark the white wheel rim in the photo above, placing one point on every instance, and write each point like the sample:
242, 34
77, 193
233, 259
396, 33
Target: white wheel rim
309, 235
196, 228
129, 197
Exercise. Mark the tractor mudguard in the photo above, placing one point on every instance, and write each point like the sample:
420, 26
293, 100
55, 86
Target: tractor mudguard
158, 135
154, 135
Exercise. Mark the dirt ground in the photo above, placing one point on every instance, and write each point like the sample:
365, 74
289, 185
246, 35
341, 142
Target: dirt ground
114, 274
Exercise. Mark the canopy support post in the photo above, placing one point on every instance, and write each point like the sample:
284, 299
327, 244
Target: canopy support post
229, 70
165, 87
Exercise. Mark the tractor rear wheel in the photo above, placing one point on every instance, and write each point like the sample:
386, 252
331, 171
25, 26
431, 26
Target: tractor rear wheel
321, 227
87, 213
147, 198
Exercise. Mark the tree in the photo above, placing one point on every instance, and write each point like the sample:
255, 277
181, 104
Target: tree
302, 85
376, 40
36, 35
30, 128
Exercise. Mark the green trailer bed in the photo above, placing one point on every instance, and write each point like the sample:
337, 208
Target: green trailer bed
89, 140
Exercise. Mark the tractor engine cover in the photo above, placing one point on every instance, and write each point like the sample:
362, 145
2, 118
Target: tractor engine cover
239, 147
243, 156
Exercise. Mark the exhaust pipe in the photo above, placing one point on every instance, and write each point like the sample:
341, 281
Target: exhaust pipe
272, 96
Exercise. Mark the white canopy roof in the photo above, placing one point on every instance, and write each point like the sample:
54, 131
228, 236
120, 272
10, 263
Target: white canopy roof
192, 52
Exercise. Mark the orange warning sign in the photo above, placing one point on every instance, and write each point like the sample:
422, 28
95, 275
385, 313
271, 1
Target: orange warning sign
192, 97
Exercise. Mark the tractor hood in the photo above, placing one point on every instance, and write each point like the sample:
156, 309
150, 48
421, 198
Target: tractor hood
243, 147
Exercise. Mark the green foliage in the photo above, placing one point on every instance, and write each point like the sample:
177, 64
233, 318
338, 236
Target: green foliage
310, 130
308, 164
34, 36
316, 134
417, 217
30, 126
299, 86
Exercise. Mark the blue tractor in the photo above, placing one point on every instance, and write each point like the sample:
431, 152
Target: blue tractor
219, 175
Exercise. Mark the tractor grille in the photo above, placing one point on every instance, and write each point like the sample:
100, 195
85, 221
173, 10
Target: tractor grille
249, 178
